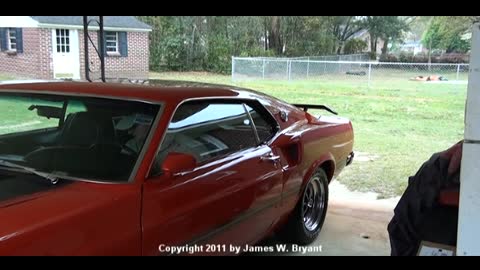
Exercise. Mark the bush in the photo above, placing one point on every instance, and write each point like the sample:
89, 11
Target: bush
258, 52
454, 58
219, 56
420, 58
405, 57
354, 46
388, 58
408, 57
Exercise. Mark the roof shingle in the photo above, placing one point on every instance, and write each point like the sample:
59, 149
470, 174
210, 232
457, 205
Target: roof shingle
108, 21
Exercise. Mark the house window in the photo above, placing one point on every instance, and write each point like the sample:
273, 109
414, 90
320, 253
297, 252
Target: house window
114, 43
11, 39
111, 42
63, 40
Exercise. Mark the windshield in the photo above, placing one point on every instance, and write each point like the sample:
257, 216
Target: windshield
87, 138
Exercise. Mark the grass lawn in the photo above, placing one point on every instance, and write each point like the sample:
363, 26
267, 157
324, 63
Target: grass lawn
5, 77
16, 117
398, 123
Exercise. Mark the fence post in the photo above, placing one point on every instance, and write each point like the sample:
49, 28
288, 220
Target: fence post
289, 68
233, 68
290, 71
263, 69
308, 66
458, 71
369, 73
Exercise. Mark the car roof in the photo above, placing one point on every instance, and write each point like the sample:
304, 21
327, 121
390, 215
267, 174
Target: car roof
154, 91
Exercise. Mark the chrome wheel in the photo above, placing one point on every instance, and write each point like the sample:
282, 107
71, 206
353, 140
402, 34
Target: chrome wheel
306, 222
313, 204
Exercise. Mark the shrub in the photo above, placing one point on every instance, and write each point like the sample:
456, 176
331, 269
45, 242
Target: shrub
354, 46
388, 58
454, 58
408, 57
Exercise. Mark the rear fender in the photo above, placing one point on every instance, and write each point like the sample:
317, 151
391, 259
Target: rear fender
326, 158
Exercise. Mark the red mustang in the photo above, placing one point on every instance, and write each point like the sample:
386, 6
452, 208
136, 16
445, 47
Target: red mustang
121, 169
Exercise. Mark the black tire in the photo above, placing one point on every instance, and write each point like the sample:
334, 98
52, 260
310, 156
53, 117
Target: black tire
303, 227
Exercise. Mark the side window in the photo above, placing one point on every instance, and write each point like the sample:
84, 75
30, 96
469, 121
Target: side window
73, 107
24, 114
265, 125
207, 130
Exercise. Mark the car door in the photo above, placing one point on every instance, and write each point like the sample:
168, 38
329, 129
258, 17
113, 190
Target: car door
217, 203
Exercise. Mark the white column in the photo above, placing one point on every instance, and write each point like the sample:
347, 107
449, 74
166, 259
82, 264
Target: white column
468, 237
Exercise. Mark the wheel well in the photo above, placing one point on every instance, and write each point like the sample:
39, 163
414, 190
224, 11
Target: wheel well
329, 168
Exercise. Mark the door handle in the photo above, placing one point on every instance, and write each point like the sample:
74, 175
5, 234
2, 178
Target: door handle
270, 157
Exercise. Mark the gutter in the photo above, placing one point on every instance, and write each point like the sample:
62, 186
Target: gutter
80, 27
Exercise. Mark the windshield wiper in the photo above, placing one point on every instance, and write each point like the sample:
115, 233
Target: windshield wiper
51, 178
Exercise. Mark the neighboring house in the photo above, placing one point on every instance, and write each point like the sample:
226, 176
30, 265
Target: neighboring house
51, 47
365, 36
411, 46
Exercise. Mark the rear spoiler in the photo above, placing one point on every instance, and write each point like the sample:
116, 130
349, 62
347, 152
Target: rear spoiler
311, 106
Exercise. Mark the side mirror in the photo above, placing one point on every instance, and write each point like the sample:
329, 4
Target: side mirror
178, 162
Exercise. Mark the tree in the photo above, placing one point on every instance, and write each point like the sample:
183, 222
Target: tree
388, 28
354, 45
202, 42
447, 32
209, 42
166, 41
394, 29
432, 38
306, 35
274, 36
343, 28
419, 26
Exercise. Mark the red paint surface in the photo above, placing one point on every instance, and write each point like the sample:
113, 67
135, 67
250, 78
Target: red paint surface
234, 200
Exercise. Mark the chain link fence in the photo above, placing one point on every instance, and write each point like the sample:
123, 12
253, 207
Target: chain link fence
346, 57
358, 72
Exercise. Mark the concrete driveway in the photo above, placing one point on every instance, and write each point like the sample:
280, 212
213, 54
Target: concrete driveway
356, 225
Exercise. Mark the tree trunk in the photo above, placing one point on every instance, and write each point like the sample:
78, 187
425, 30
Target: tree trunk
340, 47
429, 54
265, 33
373, 46
385, 47
192, 47
274, 39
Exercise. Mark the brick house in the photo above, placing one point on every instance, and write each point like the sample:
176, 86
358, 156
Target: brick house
52, 47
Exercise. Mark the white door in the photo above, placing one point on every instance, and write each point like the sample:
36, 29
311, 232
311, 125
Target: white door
66, 54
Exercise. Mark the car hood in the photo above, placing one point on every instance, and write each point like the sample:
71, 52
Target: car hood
70, 210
